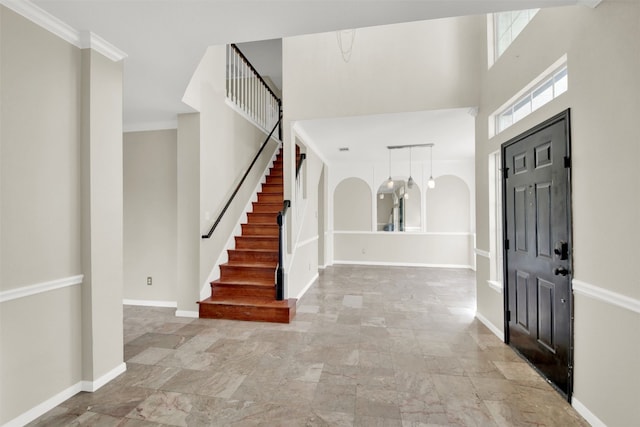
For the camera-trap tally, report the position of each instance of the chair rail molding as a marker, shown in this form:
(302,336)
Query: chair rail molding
(605,295)
(39,288)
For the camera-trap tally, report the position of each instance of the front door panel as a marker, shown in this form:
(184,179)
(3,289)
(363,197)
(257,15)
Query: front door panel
(537,249)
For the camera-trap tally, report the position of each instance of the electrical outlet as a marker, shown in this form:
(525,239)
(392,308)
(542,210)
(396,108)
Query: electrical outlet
(149,281)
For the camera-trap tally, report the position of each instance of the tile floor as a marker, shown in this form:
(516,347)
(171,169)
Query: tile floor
(370,346)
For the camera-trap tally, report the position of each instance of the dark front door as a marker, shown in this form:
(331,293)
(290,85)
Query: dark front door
(537,230)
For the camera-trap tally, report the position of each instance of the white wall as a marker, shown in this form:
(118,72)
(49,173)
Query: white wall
(415,66)
(604,65)
(448,205)
(150,215)
(302,266)
(40,163)
(60,219)
(352,204)
(188,228)
(440,241)
(102,218)
(39,214)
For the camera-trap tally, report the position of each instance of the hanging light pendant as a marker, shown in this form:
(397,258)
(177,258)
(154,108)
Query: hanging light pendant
(432,182)
(410,181)
(390,180)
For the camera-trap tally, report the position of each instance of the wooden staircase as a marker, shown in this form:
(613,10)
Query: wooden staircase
(246,288)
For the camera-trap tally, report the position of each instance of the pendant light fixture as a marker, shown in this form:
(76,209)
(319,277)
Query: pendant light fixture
(390,180)
(432,182)
(410,181)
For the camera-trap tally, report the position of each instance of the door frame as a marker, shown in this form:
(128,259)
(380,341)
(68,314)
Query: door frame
(563,116)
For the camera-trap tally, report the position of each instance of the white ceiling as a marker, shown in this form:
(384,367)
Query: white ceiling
(367,137)
(165,39)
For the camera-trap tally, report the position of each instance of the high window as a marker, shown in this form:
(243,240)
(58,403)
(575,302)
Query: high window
(507,26)
(547,86)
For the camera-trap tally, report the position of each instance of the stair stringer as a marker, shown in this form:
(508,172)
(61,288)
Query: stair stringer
(214,274)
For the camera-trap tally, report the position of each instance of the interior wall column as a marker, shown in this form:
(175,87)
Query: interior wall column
(189,240)
(102,219)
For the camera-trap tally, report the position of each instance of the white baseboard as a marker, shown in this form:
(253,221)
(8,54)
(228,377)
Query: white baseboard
(490,326)
(308,285)
(92,386)
(68,393)
(150,303)
(45,406)
(402,264)
(187,313)
(586,413)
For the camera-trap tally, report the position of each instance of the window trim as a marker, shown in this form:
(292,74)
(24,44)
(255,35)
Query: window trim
(496,260)
(550,73)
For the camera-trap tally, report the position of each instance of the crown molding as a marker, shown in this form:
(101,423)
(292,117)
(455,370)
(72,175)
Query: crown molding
(150,126)
(590,3)
(82,40)
(89,40)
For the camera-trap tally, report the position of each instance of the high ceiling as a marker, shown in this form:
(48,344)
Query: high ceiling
(367,137)
(165,39)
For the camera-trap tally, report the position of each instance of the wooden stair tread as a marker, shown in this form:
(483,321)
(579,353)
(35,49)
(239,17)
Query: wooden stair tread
(252,264)
(250,301)
(243,282)
(258,237)
(257,251)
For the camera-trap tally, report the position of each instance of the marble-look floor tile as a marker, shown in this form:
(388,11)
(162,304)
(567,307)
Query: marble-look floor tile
(406,362)
(339,374)
(468,412)
(369,421)
(147,376)
(152,339)
(529,412)
(423,408)
(370,346)
(335,398)
(214,384)
(517,371)
(474,367)
(377,402)
(173,409)
(258,390)
(151,355)
(112,399)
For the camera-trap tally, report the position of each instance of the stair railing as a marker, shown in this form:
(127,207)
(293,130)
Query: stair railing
(244,177)
(281,233)
(249,91)
(281,242)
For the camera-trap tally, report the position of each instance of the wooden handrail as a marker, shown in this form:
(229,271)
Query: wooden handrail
(233,195)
